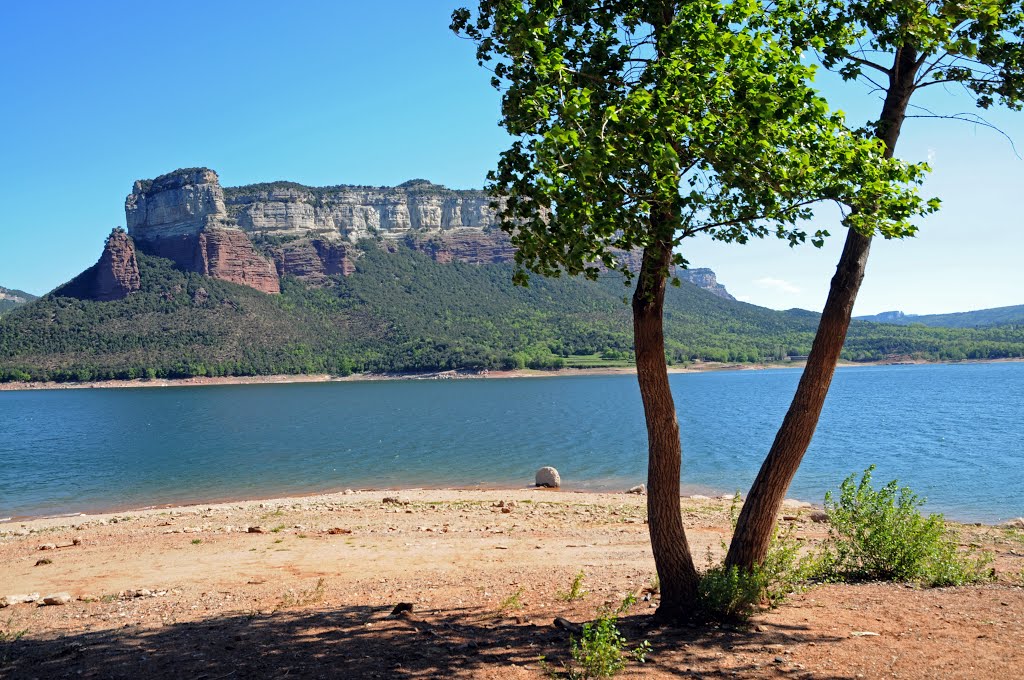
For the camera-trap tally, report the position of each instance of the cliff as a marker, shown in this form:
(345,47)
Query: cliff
(114,277)
(706,279)
(320,224)
(252,235)
(182,216)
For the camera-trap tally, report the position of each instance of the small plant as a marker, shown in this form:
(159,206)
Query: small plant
(601,650)
(513,602)
(881,535)
(303,597)
(734,594)
(576,590)
(196,541)
(8,636)
(278,529)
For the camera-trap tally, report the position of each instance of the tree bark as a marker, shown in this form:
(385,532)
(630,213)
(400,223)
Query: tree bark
(676,571)
(756,523)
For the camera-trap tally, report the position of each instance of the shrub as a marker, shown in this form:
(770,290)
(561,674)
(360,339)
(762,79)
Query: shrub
(734,594)
(601,651)
(881,535)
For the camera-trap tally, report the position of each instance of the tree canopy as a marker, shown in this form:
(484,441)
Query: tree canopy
(698,112)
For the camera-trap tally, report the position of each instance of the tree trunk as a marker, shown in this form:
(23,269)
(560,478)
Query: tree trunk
(676,572)
(756,522)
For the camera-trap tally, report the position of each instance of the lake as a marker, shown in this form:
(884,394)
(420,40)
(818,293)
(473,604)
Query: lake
(952,432)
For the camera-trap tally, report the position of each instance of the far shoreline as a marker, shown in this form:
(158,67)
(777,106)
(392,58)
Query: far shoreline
(457,374)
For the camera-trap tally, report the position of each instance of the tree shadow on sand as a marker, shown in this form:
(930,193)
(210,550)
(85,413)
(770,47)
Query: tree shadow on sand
(368,642)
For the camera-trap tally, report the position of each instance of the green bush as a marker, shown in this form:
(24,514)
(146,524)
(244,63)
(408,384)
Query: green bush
(734,594)
(882,536)
(601,651)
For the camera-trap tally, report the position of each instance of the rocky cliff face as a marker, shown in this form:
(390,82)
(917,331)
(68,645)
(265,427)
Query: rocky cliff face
(182,216)
(114,277)
(311,232)
(704,278)
(319,225)
(351,213)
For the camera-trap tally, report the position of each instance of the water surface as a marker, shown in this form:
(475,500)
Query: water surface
(952,432)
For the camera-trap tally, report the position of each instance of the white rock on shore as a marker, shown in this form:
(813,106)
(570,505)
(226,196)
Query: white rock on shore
(549,477)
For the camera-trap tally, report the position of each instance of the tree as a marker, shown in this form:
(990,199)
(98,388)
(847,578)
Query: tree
(900,47)
(638,125)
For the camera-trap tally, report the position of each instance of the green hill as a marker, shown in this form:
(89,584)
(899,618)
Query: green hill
(404,312)
(11,298)
(977,319)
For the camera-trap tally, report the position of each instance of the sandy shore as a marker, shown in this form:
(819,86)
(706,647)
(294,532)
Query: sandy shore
(702,367)
(303,587)
(370,377)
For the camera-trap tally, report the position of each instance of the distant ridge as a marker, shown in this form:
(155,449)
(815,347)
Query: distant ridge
(996,316)
(11,298)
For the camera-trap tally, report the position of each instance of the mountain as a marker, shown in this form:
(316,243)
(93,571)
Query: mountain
(976,319)
(11,298)
(282,278)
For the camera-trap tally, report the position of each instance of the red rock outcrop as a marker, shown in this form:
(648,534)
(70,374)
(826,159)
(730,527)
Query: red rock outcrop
(466,245)
(181,216)
(114,277)
(228,254)
(313,261)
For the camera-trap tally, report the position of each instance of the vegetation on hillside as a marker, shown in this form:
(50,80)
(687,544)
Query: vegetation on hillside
(403,312)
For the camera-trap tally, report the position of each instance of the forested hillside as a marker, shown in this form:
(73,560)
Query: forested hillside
(404,312)
(996,316)
(11,299)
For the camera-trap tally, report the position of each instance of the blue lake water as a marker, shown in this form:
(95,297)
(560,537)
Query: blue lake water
(952,432)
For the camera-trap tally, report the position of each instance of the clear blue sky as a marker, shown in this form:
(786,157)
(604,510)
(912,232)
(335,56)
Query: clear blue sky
(97,95)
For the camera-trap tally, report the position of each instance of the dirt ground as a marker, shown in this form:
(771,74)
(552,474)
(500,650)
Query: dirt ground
(306,587)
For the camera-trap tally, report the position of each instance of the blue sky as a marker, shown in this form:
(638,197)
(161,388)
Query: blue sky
(96,95)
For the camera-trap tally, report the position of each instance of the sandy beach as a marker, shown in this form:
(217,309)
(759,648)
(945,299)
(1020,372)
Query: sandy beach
(305,587)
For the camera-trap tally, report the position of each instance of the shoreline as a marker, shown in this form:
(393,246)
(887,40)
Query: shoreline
(688,492)
(286,379)
(450,583)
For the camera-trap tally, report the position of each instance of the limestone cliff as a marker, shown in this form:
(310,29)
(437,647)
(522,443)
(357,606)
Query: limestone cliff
(182,216)
(704,278)
(114,277)
(317,226)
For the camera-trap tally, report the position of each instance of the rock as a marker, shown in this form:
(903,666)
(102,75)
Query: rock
(256,530)
(1016,523)
(699,497)
(45,560)
(353,213)
(793,503)
(11,600)
(639,489)
(48,546)
(548,477)
(114,277)
(401,608)
(819,516)
(334,531)
(181,216)
(704,278)
(394,500)
(57,598)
